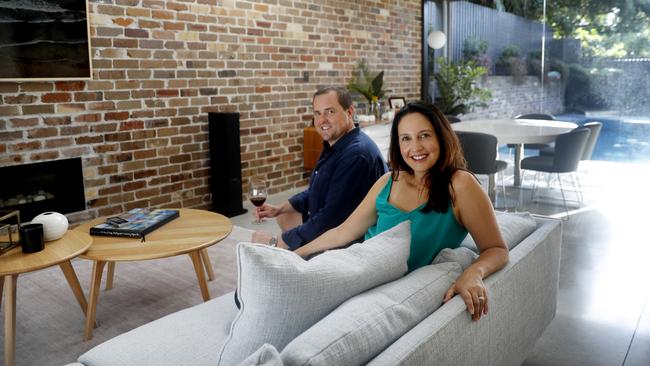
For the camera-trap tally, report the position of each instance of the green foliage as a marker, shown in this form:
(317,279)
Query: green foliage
(507,53)
(457,87)
(551,64)
(610,28)
(606,17)
(475,49)
(530,9)
(367,83)
(510,62)
(579,93)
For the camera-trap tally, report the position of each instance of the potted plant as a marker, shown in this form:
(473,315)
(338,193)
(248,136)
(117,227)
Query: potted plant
(510,62)
(457,87)
(553,68)
(370,85)
(475,49)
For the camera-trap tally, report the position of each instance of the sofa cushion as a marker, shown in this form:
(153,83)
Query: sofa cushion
(514,228)
(192,336)
(282,295)
(267,355)
(461,255)
(364,325)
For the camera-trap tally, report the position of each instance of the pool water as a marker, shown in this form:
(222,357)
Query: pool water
(622,139)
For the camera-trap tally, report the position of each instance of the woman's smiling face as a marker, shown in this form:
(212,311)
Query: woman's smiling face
(418,142)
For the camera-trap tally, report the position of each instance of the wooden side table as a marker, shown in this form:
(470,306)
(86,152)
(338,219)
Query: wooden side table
(15,262)
(191,233)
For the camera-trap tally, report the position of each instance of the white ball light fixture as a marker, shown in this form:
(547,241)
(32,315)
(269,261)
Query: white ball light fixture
(436,40)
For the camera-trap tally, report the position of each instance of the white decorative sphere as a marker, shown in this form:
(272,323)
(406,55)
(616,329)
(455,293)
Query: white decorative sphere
(436,40)
(54,225)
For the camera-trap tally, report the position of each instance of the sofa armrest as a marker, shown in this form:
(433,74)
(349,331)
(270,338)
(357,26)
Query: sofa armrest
(193,336)
(523,298)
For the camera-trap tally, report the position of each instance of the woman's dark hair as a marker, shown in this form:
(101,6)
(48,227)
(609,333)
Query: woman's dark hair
(438,180)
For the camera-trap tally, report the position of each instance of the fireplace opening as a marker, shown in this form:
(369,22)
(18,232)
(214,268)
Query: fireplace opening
(39,187)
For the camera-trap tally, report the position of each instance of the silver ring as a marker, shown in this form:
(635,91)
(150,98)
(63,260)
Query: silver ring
(481,298)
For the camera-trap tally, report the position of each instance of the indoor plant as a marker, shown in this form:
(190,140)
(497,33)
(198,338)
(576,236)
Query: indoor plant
(368,84)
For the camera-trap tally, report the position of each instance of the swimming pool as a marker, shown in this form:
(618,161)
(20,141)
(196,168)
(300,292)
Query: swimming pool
(625,139)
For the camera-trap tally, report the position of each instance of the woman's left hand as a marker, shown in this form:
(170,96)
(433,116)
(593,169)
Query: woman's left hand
(471,288)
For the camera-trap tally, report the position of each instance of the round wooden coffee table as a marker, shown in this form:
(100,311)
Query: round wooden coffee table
(191,233)
(15,262)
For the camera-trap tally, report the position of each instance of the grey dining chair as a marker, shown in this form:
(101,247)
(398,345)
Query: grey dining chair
(542,116)
(595,128)
(452,119)
(569,148)
(480,151)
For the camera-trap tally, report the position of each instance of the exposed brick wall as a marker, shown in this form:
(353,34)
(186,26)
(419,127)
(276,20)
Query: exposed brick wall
(160,66)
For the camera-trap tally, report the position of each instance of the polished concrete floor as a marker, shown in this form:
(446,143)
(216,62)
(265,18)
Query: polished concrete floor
(603,315)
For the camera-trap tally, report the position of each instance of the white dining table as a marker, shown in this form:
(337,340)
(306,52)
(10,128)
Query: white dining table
(517,132)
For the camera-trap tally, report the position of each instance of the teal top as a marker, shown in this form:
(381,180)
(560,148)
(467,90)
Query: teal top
(431,232)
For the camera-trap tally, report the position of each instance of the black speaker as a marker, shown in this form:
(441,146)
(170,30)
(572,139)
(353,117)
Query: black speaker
(225,164)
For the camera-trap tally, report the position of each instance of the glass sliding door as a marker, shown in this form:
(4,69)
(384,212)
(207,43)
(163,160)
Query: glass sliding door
(602,50)
(581,61)
(433,22)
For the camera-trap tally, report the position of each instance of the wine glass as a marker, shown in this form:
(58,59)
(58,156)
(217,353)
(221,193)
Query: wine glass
(257,194)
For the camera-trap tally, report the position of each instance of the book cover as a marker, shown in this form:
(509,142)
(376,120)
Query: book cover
(135,223)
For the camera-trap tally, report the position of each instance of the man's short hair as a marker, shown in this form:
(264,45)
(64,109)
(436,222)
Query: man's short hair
(344,96)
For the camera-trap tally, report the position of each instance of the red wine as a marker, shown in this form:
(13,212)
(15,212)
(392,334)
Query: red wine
(258,201)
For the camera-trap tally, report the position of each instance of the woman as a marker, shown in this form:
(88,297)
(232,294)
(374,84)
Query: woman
(429,186)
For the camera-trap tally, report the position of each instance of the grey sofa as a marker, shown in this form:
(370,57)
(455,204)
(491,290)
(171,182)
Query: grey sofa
(522,303)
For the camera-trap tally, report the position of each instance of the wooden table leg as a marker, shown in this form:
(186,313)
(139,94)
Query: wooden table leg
(73,281)
(110,274)
(95,284)
(10,319)
(200,274)
(207,264)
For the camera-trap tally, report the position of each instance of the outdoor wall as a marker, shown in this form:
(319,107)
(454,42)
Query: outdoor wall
(622,86)
(510,98)
(160,66)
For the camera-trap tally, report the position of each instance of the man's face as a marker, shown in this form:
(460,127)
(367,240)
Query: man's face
(330,119)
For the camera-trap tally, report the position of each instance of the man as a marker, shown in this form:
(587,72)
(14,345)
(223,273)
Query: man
(348,166)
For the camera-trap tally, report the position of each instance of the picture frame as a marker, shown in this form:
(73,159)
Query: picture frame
(45,40)
(396,102)
(9,224)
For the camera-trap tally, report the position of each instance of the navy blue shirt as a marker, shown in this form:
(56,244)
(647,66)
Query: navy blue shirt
(343,175)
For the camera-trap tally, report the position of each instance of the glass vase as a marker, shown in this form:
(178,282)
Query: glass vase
(375,109)
(378,110)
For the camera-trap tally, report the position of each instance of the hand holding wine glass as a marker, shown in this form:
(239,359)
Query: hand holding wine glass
(257,195)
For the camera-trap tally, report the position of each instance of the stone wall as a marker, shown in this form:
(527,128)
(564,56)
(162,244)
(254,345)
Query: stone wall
(510,98)
(159,67)
(622,86)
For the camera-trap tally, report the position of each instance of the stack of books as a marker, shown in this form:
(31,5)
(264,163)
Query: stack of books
(135,223)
